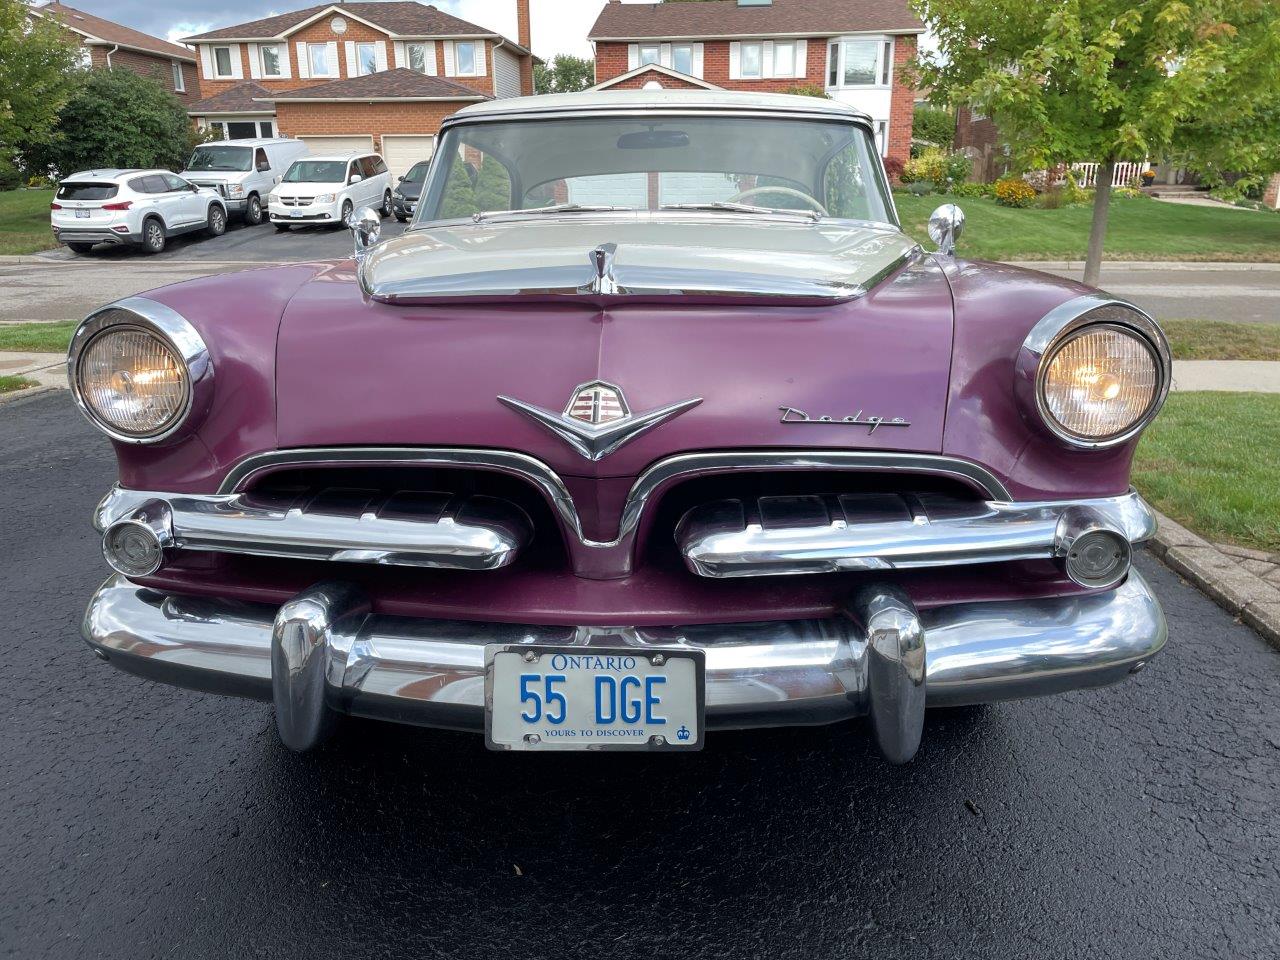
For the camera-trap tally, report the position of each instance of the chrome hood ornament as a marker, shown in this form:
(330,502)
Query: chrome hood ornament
(597,420)
(604,282)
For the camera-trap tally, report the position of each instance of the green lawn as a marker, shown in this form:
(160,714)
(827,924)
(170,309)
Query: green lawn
(1220,340)
(24,221)
(1211,461)
(1138,229)
(10,384)
(37,337)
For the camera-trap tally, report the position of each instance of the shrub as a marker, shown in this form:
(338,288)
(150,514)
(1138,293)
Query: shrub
(808,90)
(10,177)
(1052,199)
(1072,192)
(972,190)
(1014,192)
(930,165)
(920,188)
(893,168)
(934,125)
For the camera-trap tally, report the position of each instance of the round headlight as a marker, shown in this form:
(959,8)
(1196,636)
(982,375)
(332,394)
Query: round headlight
(1099,383)
(133,382)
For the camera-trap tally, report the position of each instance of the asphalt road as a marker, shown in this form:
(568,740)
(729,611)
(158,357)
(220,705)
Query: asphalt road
(139,821)
(1242,296)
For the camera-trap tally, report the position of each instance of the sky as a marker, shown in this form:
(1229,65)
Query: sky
(559,26)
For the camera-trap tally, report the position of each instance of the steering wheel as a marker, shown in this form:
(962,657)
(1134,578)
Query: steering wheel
(784,191)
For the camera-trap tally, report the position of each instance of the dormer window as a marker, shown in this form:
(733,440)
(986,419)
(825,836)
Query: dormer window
(366,59)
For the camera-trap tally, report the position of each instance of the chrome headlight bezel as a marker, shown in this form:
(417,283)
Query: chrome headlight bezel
(1063,324)
(176,333)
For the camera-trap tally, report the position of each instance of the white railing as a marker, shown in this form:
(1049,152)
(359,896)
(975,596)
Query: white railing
(1125,173)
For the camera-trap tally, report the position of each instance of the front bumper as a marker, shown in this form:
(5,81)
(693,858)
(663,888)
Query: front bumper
(403,207)
(324,652)
(312,213)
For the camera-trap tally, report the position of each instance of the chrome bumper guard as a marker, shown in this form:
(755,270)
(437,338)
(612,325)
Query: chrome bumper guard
(407,529)
(323,653)
(779,536)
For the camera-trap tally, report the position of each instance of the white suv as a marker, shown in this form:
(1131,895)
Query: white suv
(139,207)
(327,190)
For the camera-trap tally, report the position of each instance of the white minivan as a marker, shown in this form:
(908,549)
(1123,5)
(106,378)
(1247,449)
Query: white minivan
(326,190)
(243,171)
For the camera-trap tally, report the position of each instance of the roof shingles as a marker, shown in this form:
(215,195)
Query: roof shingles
(111,32)
(405,18)
(726,18)
(242,98)
(398,84)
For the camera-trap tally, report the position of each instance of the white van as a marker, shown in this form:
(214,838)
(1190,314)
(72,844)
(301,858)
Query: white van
(328,189)
(243,171)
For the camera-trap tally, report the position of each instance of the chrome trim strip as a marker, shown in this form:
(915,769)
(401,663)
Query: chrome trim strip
(171,327)
(719,543)
(451,533)
(1059,324)
(761,674)
(598,558)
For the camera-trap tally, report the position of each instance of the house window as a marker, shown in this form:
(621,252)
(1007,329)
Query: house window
(464,59)
(784,59)
(269,53)
(417,56)
(222,61)
(84,58)
(682,59)
(752,61)
(266,128)
(178,85)
(650,53)
(318,55)
(366,59)
(860,63)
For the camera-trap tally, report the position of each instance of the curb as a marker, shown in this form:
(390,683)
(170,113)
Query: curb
(30,393)
(1247,597)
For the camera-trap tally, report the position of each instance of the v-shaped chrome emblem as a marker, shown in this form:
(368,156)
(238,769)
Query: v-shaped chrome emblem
(597,420)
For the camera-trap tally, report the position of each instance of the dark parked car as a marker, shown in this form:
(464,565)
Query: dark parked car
(404,199)
(653,423)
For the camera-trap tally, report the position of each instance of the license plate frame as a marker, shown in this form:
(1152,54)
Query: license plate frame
(295,212)
(83,214)
(669,741)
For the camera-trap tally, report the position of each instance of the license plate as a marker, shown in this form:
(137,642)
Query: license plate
(82,214)
(410,206)
(576,698)
(295,213)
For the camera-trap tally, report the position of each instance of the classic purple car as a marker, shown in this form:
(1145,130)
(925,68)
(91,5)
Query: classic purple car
(654,423)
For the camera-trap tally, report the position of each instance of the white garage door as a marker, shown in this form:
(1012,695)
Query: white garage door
(401,153)
(321,146)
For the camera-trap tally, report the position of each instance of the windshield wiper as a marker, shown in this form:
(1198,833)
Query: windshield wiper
(732,207)
(555,208)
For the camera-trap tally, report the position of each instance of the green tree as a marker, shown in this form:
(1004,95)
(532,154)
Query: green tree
(115,119)
(1105,80)
(459,193)
(37,75)
(564,74)
(493,186)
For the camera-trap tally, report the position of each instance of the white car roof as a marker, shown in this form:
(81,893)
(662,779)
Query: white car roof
(111,174)
(661,99)
(251,142)
(338,156)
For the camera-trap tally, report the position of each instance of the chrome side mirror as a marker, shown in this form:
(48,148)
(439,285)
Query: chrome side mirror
(945,226)
(366,224)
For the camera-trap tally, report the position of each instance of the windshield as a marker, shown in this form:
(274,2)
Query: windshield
(418,172)
(317,171)
(724,165)
(221,157)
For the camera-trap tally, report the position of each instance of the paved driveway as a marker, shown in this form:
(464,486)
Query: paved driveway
(137,820)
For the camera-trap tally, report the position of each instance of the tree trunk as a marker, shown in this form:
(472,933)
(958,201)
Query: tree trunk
(1098,231)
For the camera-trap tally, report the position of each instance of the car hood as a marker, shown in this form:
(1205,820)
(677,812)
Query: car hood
(353,371)
(307,189)
(719,256)
(215,176)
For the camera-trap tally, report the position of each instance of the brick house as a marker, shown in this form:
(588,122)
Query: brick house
(356,76)
(106,45)
(852,49)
